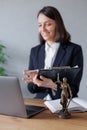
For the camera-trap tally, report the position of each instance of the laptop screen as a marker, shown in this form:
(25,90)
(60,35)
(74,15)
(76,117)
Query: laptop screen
(11,99)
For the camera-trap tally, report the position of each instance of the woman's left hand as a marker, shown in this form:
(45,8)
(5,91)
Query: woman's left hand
(44,82)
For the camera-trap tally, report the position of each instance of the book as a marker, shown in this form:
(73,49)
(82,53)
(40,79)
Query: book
(76,105)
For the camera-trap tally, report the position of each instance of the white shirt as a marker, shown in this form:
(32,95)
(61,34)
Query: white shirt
(50,54)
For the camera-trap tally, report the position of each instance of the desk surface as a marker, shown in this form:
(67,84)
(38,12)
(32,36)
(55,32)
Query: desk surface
(44,121)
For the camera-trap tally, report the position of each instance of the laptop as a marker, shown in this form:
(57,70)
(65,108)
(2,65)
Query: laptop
(11,99)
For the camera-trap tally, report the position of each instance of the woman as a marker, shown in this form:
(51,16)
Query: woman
(54,50)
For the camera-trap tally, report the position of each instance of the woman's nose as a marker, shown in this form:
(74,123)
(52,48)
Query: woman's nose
(43,28)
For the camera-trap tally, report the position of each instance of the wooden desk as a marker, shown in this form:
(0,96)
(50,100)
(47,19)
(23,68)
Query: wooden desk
(44,121)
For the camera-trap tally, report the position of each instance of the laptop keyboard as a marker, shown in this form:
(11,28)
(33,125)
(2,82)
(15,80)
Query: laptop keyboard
(33,110)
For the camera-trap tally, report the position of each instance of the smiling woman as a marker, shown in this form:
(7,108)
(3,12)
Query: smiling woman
(55,49)
(47,28)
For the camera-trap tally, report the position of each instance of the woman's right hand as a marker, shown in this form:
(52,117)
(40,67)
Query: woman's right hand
(29,75)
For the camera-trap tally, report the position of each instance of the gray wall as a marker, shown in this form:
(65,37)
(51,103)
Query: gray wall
(19,32)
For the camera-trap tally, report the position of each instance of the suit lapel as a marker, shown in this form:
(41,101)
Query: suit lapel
(41,57)
(59,57)
(60,54)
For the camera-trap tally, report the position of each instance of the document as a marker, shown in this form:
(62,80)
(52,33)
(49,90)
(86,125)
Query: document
(76,105)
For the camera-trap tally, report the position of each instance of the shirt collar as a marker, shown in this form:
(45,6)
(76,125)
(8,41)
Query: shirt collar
(54,46)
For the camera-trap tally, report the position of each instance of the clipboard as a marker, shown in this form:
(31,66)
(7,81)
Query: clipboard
(65,71)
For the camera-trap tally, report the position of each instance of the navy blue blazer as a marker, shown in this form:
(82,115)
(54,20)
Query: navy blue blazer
(69,54)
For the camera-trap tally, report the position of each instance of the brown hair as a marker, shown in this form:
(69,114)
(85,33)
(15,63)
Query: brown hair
(62,35)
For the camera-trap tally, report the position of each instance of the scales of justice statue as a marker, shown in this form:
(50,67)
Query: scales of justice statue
(66,96)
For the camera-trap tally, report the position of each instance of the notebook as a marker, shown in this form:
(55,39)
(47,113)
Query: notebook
(11,99)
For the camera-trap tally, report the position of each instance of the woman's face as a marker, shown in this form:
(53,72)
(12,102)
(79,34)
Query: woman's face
(47,28)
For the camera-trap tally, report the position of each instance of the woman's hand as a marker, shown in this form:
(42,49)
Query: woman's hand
(29,75)
(44,82)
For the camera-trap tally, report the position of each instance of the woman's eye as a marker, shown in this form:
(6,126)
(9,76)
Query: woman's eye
(48,24)
(39,25)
